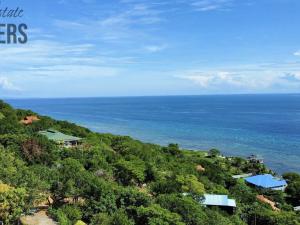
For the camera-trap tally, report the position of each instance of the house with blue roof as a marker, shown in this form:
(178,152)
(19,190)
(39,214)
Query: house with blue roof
(267,181)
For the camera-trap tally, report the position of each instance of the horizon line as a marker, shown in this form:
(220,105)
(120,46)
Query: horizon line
(145,96)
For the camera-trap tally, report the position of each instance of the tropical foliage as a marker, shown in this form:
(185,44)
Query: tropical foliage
(116,180)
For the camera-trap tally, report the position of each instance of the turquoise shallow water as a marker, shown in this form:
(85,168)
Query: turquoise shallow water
(236,124)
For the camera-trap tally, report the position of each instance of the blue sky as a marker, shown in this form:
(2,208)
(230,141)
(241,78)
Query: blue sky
(150,47)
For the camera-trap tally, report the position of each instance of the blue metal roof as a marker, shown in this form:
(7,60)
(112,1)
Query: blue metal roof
(218,200)
(266,181)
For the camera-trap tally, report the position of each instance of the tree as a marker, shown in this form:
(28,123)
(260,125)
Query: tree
(130,172)
(100,196)
(190,184)
(290,177)
(118,218)
(9,122)
(38,150)
(70,180)
(132,197)
(120,144)
(214,152)
(59,216)
(164,186)
(293,188)
(14,171)
(191,211)
(242,192)
(155,215)
(101,219)
(173,149)
(216,218)
(32,151)
(73,213)
(12,203)
(259,214)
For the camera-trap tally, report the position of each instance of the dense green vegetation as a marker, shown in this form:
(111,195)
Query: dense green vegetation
(115,180)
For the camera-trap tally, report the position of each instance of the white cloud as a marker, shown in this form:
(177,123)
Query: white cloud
(297,53)
(43,67)
(48,61)
(253,79)
(133,21)
(51,53)
(218,78)
(71,72)
(155,48)
(7,85)
(198,5)
(123,24)
(293,77)
(209,5)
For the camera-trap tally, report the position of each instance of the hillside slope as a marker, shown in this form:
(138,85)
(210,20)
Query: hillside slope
(110,179)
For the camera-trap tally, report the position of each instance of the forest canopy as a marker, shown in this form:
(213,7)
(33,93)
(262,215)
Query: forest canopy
(109,179)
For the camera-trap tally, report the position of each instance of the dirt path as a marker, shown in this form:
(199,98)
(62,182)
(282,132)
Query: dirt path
(39,218)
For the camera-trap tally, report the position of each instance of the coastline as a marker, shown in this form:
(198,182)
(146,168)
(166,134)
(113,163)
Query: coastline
(194,122)
(60,169)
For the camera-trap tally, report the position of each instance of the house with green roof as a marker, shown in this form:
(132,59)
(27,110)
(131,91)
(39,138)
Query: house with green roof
(60,138)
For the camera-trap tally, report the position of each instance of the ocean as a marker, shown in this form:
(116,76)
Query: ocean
(237,125)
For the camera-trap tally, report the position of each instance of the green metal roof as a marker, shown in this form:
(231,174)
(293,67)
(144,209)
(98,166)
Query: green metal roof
(58,136)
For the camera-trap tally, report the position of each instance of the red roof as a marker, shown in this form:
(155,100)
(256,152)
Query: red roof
(29,120)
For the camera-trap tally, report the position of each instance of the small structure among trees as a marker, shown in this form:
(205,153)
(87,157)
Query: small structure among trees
(256,159)
(29,120)
(200,168)
(267,181)
(219,200)
(60,138)
(239,176)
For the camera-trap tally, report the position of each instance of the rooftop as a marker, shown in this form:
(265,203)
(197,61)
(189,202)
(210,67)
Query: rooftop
(200,168)
(297,208)
(255,157)
(266,181)
(29,120)
(242,175)
(58,136)
(218,200)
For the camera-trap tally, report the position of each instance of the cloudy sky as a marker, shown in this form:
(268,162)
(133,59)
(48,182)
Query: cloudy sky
(153,47)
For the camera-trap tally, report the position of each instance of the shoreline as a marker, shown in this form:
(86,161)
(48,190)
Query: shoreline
(73,169)
(194,122)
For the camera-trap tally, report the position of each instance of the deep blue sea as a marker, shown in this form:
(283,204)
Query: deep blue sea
(238,125)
